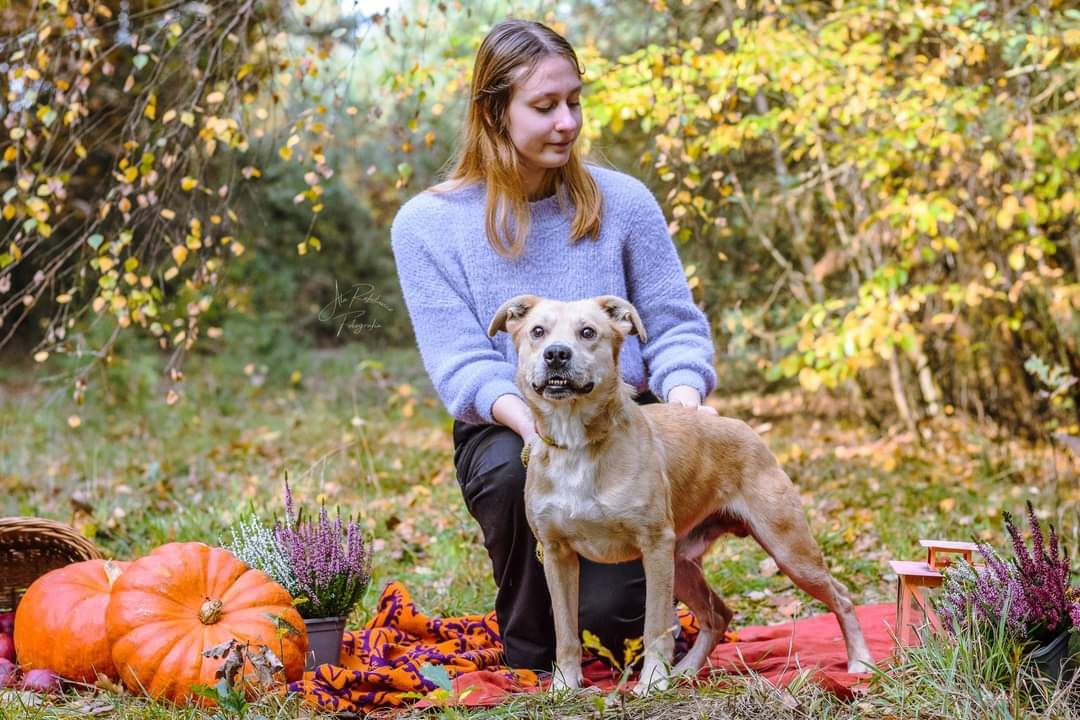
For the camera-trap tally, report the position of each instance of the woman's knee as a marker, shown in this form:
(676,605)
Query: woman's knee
(494,479)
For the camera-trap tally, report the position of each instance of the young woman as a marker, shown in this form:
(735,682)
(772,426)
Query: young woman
(520,212)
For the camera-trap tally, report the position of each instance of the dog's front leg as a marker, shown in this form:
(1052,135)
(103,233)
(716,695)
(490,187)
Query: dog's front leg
(658,557)
(561,568)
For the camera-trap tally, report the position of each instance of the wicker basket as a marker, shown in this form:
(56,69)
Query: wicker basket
(31,547)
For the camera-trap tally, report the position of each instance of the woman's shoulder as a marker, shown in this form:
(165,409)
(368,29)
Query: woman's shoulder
(616,185)
(622,191)
(437,204)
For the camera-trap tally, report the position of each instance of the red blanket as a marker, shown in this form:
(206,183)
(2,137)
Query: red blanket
(383,664)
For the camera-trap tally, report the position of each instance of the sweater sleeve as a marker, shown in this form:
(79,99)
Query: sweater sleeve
(679,350)
(467,371)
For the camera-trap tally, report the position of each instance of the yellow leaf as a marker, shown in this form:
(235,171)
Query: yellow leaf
(187,119)
(171,273)
(188,183)
(169,116)
(168,214)
(215,97)
(74,421)
(80,150)
(296,377)
(131,174)
(809,379)
(179,254)
(63,298)
(592,642)
(15,251)
(171,397)
(1007,213)
(285,153)
(9,212)
(10,154)
(41,356)
(947,505)
(105,264)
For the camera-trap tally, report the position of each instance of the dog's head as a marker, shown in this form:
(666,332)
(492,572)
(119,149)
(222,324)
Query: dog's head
(567,349)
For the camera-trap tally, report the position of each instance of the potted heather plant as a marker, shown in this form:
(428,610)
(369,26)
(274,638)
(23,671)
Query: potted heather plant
(325,564)
(1030,595)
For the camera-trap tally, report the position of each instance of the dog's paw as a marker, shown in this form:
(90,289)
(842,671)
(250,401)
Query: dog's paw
(644,688)
(652,679)
(562,681)
(861,666)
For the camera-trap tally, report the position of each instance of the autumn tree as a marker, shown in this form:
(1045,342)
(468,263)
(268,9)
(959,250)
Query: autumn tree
(129,132)
(902,176)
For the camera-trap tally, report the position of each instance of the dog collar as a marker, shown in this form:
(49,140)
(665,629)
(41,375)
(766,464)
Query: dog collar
(526,449)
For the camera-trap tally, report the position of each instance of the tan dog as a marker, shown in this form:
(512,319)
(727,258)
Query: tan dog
(614,481)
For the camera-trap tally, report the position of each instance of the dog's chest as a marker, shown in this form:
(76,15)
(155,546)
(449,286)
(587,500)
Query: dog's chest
(568,505)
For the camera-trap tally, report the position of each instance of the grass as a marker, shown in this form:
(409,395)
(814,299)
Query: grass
(360,427)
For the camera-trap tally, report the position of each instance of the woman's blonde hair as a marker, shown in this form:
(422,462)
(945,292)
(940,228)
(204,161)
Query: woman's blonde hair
(486,153)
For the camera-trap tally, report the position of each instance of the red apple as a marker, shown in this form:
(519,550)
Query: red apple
(41,681)
(7,647)
(9,673)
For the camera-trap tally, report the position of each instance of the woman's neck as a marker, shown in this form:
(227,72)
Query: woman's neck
(541,188)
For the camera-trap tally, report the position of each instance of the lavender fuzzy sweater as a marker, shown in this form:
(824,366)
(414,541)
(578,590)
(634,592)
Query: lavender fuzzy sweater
(453,282)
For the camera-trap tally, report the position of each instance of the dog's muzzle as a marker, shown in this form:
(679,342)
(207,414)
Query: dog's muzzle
(558,379)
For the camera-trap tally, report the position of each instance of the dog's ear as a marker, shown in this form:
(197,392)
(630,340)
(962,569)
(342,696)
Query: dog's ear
(511,312)
(624,315)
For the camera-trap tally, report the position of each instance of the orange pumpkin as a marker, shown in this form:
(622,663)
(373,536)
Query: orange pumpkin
(60,622)
(183,598)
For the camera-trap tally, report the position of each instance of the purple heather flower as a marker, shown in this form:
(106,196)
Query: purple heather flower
(329,558)
(1030,594)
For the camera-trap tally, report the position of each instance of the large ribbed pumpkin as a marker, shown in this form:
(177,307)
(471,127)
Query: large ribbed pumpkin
(60,622)
(183,598)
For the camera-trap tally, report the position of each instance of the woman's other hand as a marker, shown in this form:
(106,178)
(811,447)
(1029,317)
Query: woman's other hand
(688,396)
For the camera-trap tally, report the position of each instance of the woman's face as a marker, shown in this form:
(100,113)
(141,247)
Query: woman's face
(544,117)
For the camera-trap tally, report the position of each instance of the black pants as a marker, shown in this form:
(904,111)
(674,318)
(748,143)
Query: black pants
(612,596)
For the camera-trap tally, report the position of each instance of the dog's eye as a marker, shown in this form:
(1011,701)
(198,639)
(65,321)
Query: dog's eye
(537,331)
(588,333)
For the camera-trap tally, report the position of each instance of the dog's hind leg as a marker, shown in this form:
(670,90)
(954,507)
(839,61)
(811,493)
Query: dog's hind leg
(710,610)
(774,515)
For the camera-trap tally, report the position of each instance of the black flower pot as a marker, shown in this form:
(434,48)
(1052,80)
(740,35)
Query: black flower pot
(1052,659)
(324,640)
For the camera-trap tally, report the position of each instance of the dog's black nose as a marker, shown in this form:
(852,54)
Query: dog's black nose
(557,356)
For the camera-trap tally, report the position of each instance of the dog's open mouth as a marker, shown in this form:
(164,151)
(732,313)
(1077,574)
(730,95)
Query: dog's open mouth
(557,387)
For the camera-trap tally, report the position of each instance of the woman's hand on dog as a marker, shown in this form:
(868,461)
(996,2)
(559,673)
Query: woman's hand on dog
(688,396)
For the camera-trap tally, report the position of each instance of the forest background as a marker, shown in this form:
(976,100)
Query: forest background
(876,204)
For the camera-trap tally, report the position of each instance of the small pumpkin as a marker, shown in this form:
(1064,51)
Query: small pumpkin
(184,598)
(60,622)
